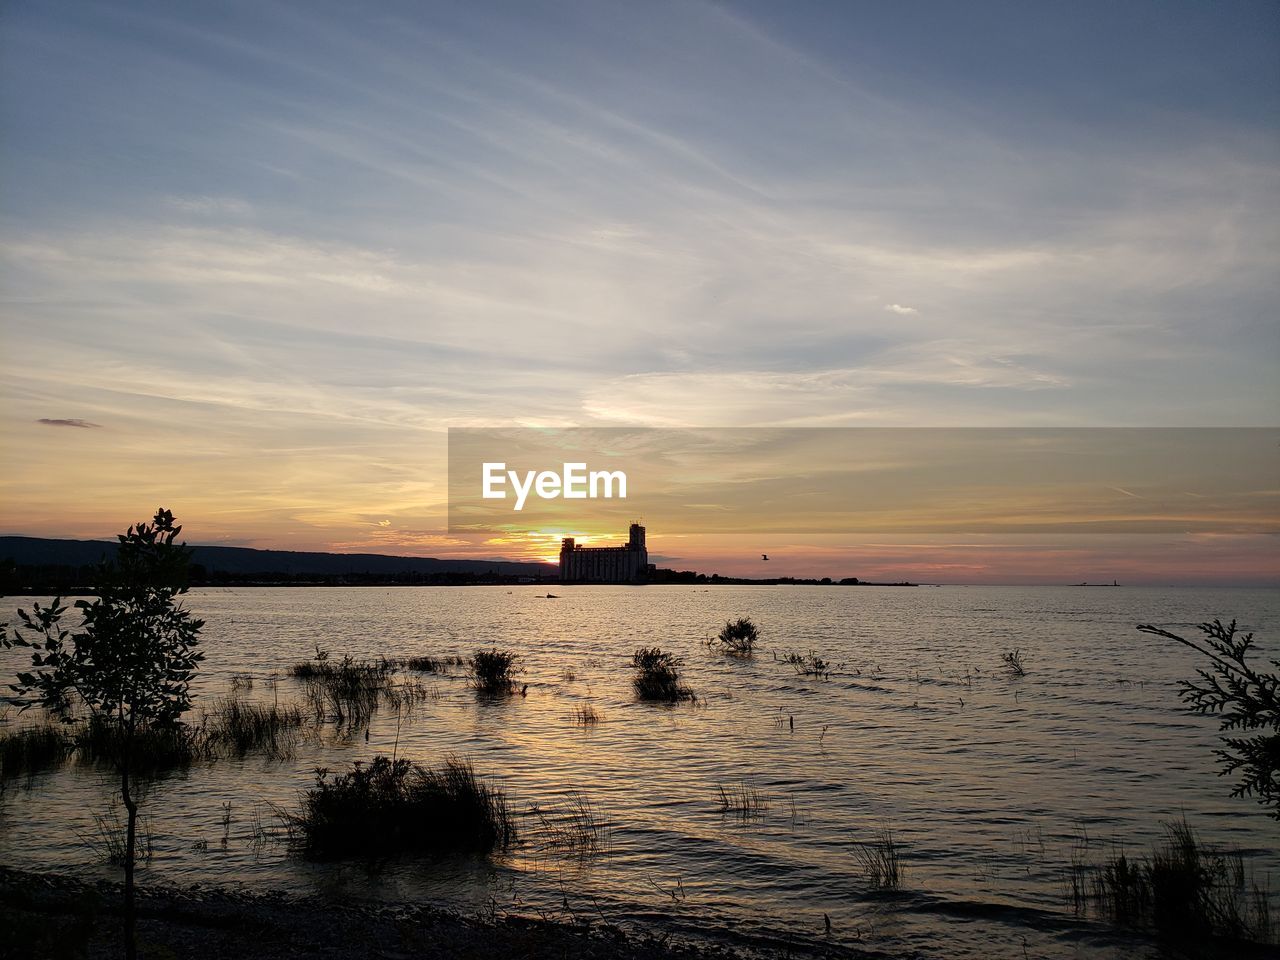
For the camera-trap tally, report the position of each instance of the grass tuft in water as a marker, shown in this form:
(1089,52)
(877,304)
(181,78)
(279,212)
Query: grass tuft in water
(742,801)
(29,750)
(586,716)
(349,691)
(1013,663)
(658,676)
(1183,889)
(241,727)
(156,747)
(570,829)
(810,664)
(395,806)
(108,841)
(881,861)
(241,681)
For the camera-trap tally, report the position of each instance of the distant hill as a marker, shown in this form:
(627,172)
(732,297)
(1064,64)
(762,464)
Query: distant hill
(31,552)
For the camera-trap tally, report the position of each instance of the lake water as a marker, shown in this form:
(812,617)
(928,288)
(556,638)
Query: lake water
(988,781)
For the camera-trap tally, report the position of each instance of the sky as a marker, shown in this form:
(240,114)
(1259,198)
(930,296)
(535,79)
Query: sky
(257,258)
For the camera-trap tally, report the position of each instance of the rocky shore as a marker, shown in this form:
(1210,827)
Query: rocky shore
(54,917)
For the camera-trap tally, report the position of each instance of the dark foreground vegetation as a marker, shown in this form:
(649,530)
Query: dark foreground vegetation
(128,665)
(1182,890)
(396,807)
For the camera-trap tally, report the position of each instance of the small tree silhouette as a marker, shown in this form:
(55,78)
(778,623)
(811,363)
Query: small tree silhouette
(130,665)
(1244,699)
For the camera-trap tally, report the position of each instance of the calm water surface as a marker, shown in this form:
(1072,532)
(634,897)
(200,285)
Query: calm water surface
(988,781)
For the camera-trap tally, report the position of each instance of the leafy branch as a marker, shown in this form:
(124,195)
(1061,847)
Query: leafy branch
(1243,699)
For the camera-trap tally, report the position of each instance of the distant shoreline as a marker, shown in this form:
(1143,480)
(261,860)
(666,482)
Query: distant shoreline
(49,590)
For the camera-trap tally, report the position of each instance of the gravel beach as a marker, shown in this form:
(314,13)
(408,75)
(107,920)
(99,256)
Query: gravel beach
(54,917)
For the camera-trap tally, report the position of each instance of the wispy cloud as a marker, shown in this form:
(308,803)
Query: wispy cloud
(68,422)
(695,217)
(210,206)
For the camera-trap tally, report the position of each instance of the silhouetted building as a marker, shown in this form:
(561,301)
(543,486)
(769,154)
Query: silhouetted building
(628,563)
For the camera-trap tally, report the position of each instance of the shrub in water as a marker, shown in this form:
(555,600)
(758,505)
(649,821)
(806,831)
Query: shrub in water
(1013,663)
(810,664)
(657,677)
(737,638)
(492,671)
(392,806)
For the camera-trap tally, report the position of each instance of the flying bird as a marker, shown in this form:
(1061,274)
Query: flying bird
(764,556)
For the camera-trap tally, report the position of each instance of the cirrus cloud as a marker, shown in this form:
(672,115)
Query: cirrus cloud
(69,422)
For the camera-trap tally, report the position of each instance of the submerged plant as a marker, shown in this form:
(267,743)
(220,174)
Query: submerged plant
(1244,699)
(586,715)
(241,681)
(810,664)
(1013,663)
(395,806)
(657,676)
